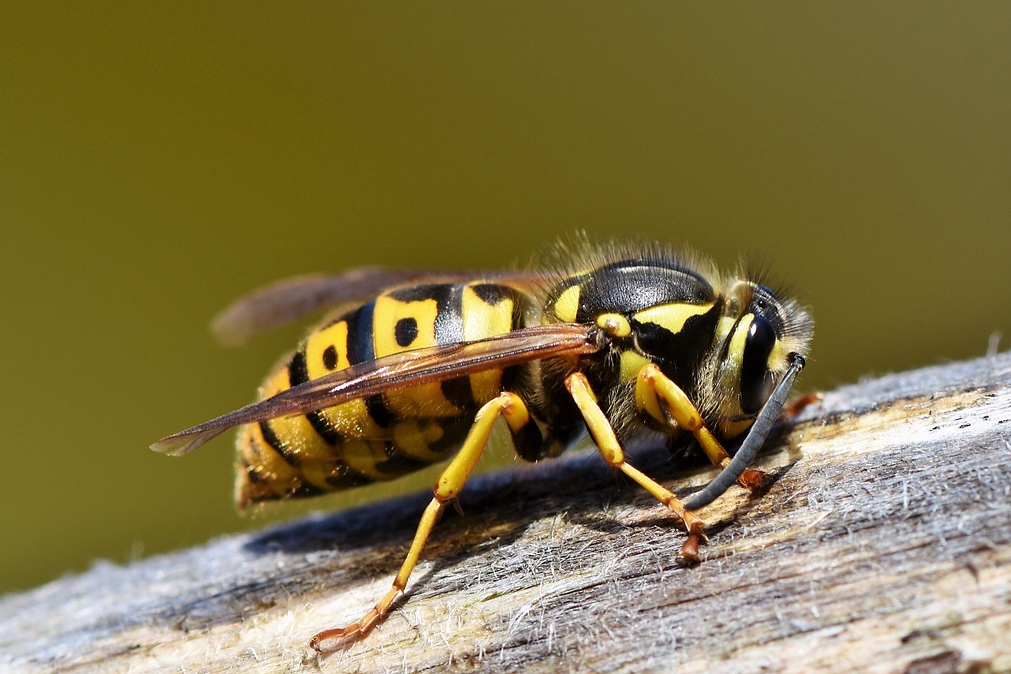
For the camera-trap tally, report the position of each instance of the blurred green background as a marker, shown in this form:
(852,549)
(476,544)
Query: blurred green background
(160,160)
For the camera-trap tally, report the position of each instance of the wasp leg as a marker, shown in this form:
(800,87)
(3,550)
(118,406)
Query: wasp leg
(653,387)
(609,446)
(507,405)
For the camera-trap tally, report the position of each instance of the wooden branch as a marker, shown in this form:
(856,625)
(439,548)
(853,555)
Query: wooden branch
(883,546)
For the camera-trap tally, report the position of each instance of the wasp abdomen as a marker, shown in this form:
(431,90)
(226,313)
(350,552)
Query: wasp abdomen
(383,436)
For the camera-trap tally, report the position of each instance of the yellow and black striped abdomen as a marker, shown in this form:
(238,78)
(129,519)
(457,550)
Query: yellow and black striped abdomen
(386,435)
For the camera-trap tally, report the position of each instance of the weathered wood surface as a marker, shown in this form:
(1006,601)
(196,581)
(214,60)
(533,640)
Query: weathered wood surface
(883,546)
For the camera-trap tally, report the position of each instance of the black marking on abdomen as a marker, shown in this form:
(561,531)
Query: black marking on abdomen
(323,428)
(306,489)
(274,442)
(453,433)
(361,348)
(382,415)
(459,392)
(406,331)
(449,319)
(330,357)
(448,308)
(345,477)
(298,373)
(492,293)
(254,477)
(448,329)
(398,463)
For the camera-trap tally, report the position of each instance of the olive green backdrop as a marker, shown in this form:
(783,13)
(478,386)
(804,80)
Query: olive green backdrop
(158,161)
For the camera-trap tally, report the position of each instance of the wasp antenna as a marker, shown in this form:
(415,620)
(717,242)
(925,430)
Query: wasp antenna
(753,442)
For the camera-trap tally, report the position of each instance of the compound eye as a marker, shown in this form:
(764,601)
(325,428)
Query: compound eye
(757,381)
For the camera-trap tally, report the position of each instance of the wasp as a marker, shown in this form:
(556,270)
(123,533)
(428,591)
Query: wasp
(414,367)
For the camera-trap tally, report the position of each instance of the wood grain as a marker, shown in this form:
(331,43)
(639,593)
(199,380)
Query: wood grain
(884,545)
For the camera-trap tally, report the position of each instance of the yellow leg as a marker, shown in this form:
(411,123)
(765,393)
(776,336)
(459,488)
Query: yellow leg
(447,488)
(606,440)
(653,387)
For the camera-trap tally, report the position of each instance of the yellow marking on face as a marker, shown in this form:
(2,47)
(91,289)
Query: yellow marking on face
(631,363)
(567,305)
(671,317)
(735,352)
(724,327)
(777,357)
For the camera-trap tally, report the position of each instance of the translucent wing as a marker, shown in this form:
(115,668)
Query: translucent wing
(402,370)
(293,298)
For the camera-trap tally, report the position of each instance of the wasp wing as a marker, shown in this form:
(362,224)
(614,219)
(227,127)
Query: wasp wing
(402,370)
(293,298)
